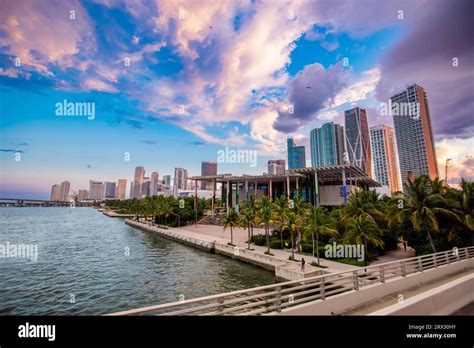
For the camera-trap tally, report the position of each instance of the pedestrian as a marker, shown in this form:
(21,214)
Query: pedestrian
(405,245)
(302,264)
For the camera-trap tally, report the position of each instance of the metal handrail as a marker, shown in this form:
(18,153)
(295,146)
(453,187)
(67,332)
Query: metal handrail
(275,297)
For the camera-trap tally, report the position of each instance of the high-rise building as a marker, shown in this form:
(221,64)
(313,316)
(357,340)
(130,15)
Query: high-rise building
(208,168)
(327,145)
(131,189)
(385,158)
(121,188)
(109,190)
(64,191)
(154,185)
(96,190)
(358,139)
(180,179)
(138,181)
(415,143)
(82,195)
(55,192)
(276,167)
(296,155)
(166,182)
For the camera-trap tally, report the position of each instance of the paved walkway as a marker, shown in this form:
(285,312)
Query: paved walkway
(395,255)
(240,236)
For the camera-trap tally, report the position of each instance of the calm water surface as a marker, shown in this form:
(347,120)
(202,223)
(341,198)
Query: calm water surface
(82,255)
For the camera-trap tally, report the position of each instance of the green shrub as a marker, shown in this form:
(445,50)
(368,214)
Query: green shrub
(259,239)
(275,243)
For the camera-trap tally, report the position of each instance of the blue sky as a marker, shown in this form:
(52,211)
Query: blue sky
(172,84)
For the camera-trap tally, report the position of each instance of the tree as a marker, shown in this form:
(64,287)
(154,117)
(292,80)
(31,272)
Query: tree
(266,217)
(421,208)
(293,225)
(319,223)
(282,208)
(246,220)
(362,230)
(231,219)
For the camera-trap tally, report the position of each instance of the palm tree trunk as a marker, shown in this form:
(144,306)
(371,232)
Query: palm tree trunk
(231,236)
(317,246)
(366,252)
(268,238)
(248,230)
(292,247)
(312,237)
(431,242)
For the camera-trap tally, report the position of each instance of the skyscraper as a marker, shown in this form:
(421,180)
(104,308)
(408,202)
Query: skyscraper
(208,168)
(64,191)
(180,179)
(166,182)
(109,190)
(296,155)
(358,139)
(276,167)
(131,189)
(55,192)
(121,188)
(154,183)
(82,195)
(138,181)
(415,144)
(327,145)
(96,190)
(384,156)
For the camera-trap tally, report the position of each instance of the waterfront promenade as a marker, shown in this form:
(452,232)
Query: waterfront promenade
(212,238)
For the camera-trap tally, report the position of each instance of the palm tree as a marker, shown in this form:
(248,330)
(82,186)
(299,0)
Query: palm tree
(293,225)
(364,203)
(266,217)
(421,208)
(231,219)
(251,204)
(319,223)
(246,220)
(362,230)
(282,208)
(298,208)
(463,201)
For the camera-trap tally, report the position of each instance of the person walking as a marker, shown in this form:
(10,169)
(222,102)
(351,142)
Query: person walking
(405,245)
(302,264)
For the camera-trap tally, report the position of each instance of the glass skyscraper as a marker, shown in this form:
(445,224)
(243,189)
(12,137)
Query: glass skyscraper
(358,139)
(327,145)
(412,121)
(296,155)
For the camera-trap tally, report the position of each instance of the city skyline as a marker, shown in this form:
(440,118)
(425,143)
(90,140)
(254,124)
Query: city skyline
(210,62)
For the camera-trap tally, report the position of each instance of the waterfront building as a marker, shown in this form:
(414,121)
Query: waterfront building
(146,187)
(414,134)
(121,188)
(55,192)
(296,155)
(327,145)
(276,166)
(358,139)
(154,183)
(138,181)
(96,190)
(109,190)
(64,191)
(82,195)
(385,158)
(207,168)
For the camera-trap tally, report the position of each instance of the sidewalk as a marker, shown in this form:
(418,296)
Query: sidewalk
(240,236)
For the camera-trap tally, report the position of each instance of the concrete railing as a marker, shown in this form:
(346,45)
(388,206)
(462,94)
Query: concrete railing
(276,297)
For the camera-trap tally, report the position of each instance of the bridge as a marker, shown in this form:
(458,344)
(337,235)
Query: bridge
(343,292)
(27,202)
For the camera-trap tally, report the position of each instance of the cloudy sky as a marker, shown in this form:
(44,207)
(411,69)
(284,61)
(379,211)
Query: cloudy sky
(173,82)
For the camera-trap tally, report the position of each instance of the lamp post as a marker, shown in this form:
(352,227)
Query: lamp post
(446,171)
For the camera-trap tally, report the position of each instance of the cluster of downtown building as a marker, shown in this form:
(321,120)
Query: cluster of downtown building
(374,149)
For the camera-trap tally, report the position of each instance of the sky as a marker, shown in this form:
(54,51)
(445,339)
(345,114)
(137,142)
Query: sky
(174,82)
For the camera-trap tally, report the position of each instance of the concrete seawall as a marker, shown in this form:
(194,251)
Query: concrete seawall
(284,269)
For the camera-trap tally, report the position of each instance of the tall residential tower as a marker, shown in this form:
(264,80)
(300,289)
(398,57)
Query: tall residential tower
(296,155)
(327,145)
(415,144)
(357,139)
